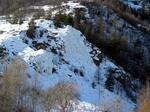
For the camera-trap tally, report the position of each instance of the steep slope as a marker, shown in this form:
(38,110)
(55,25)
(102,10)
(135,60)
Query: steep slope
(134,56)
(63,54)
(68,57)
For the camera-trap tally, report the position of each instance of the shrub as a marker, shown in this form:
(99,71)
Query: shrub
(110,82)
(3,52)
(40,45)
(88,31)
(16,96)
(1,32)
(61,19)
(60,96)
(58,20)
(48,15)
(77,20)
(39,13)
(31,30)
(11,86)
(16,18)
(69,20)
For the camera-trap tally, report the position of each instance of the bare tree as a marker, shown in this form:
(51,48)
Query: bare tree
(60,97)
(12,83)
(35,93)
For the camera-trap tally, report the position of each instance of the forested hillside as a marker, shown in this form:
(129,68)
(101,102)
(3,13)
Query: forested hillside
(74,56)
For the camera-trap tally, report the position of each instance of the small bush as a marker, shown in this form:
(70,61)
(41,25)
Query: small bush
(1,32)
(40,45)
(61,19)
(13,20)
(110,82)
(39,13)
(3,52)
(31,31)
(88,31)
(11,86)
(77,20)
(17,18)
(48,15)
(60,96)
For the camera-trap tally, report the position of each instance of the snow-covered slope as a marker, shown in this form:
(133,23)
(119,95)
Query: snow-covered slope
(138,4)
(68,57)
(63,54)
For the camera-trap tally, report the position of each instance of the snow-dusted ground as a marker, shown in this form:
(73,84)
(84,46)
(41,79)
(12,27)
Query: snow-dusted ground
(68,57)
(77,55)
(134,4)
(70,7)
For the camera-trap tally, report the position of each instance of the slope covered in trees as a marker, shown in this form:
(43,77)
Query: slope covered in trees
(9,6)
(56,59)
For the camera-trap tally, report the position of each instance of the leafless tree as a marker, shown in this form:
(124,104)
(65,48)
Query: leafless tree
(60,97)
(12,83)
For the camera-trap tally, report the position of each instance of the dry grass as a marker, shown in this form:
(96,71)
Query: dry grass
(144,99)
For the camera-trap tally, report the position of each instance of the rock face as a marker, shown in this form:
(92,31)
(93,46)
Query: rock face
(137,53)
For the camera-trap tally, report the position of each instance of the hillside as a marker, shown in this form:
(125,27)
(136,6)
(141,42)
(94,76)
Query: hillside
(56,51)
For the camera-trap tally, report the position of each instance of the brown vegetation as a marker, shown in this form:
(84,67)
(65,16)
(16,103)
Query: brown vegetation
(31,30)
(144,99)
(60,97)
(130,15)
(11,86)
(17,96)
(9,6)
